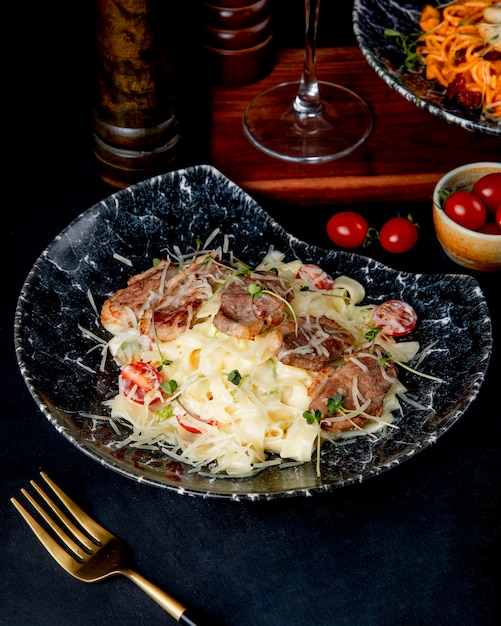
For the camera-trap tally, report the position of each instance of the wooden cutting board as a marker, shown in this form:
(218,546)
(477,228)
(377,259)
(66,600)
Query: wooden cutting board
(407,152)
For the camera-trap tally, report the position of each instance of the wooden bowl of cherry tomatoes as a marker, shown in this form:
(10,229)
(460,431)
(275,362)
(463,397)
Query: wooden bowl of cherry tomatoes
(467,215)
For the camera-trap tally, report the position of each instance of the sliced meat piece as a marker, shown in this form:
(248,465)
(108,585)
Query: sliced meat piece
(360,378)
(164,299)
(313,344)
(244,316)
(136,297)
(172,321)
(185,293)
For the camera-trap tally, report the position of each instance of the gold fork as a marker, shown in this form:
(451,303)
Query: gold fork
(91,553)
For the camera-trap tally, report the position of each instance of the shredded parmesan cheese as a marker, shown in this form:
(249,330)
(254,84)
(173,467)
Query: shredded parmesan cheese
(122,259)
(222,427)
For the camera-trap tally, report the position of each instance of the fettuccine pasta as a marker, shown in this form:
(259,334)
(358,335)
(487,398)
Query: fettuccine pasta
(230,401)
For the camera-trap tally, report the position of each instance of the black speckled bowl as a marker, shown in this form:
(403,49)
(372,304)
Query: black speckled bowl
(370,19)
(176,209)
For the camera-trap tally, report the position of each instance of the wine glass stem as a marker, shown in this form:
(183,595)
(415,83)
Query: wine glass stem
(307,101)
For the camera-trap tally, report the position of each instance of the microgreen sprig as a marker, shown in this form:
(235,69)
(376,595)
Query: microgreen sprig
(372,333)
(408,45)
(313,416)
(169,387)
(334,405)
(164,362)
(256,291)
(387,359)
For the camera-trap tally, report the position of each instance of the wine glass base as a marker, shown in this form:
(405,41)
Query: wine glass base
(273,126)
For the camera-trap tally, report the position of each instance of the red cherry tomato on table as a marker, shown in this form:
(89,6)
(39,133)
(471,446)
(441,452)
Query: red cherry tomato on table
(398,235)
(139,379)
(347,229)
(315,277)
(395,317)
(466,209)
(488,189)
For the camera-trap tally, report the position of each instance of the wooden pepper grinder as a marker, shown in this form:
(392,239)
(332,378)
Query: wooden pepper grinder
(135,126)
(237,38)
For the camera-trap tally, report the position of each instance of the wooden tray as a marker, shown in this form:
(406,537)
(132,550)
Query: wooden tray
(407,152)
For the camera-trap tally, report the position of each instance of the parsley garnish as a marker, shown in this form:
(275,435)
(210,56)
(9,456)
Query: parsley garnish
(235,377)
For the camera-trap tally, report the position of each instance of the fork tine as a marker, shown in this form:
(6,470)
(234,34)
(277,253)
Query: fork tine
(68,541)
(55,550)
(76,532)
(84,565)
(96,531)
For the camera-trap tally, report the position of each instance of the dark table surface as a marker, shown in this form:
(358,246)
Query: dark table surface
(417,545)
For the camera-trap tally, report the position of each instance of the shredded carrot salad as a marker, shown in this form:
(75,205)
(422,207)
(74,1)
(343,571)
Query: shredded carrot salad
(461,49)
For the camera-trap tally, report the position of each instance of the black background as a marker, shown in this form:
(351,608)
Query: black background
(418,545)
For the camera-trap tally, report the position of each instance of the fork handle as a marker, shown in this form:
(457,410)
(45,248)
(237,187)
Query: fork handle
(186,620)
(174,608)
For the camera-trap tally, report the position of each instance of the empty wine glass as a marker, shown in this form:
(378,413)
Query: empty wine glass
(308,120)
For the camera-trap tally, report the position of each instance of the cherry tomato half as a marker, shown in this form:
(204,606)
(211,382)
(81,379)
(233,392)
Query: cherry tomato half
(315,277)
(194,425)
(466,209)
(395,317)
(347,229)
(189,428)
(398,235)
(488,189)
(138,380)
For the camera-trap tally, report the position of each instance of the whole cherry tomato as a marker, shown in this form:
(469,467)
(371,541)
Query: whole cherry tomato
(395,317)
(139,381)
(347,229)
(490,228)
(488,189)
(466,209)
(498,216)
(398,235)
